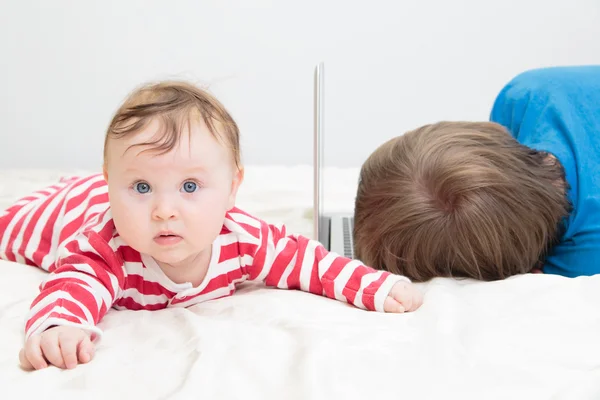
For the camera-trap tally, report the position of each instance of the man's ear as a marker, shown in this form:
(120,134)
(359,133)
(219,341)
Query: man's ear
(238,178)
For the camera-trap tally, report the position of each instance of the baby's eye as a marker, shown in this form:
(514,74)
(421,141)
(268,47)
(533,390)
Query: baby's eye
(141,187)
(190,187)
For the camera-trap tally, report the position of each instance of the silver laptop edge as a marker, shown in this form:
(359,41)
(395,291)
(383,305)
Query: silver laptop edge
(318,151)
(334,231)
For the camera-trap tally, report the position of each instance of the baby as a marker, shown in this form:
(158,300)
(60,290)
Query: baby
(159,228)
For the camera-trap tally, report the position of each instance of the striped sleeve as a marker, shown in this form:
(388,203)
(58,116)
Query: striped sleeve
(84,286)
(296,262)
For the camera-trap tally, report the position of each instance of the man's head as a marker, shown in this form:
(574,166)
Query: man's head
(458,199)
(172,163)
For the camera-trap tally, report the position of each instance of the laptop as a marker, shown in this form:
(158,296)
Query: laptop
(333,230)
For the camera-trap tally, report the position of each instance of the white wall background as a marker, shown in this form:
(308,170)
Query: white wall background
(390,66)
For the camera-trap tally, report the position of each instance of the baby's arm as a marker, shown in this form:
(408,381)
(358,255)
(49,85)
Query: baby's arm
(296,262)
(63,317)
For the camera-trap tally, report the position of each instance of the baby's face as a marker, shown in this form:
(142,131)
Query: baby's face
(171,206)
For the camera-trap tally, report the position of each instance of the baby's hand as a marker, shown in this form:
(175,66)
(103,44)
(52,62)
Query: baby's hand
(403,297)
(62,346)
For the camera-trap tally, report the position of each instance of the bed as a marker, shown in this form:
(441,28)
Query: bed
(529,337)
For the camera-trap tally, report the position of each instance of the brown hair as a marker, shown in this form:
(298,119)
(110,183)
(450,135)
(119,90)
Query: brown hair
(458,199)
(173,103)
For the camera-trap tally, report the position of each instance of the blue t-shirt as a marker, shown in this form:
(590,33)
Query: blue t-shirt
(558,110)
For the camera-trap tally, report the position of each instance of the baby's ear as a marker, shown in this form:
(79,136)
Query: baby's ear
(238,178)
(105,172)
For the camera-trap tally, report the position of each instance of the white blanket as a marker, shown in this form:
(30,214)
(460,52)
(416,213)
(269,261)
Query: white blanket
(528,337)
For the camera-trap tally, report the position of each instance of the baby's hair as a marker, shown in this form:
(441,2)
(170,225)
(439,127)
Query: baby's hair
(458,199)
(173,104)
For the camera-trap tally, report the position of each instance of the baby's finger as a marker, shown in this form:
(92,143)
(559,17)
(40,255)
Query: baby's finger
(86,350)
(23,361)
(68,349)
(51,349)
(32,355)
(417,299)
(406,299)
(391,305)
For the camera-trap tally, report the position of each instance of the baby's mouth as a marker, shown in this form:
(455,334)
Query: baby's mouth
(166,238)
(166,234)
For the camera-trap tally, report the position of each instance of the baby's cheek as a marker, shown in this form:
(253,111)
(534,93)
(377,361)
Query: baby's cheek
(132,233)
(210,224)
(129,222)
